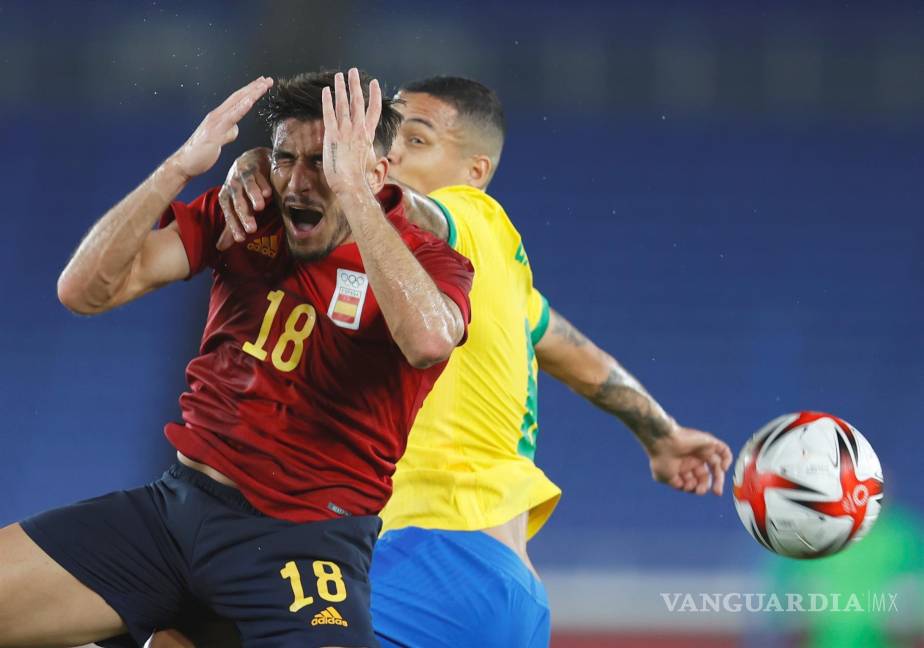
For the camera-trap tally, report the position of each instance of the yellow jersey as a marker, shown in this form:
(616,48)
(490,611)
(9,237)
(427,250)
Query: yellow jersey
(469,459)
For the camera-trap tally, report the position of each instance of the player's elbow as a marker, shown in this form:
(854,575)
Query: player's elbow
(70,295)
(74,298)
(432,340)
(426,351)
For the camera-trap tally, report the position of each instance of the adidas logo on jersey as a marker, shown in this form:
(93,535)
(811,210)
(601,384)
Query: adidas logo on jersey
(265,245)
(330,616)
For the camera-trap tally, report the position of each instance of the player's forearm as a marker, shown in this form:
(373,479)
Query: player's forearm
(623,396)
(423,325)
(569,356)
(104,259)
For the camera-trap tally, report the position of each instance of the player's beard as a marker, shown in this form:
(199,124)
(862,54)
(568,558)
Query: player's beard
(340,234)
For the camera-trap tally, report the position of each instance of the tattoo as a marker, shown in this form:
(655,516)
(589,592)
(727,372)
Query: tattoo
(563,329)
(333,157)
(624,397)
(620,394)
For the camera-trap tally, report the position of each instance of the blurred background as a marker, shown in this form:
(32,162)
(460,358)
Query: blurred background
(726,196)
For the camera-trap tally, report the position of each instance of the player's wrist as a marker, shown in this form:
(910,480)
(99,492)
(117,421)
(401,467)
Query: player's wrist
(358,200)
(170,178)
(659,433)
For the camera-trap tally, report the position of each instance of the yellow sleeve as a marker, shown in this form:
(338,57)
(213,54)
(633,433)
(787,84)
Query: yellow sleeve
(537,310)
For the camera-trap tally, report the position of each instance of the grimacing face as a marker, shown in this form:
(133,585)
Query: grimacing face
(430,149)
(314,221)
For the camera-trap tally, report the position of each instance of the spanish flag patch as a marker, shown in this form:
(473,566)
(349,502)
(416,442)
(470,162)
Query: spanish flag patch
(346,306)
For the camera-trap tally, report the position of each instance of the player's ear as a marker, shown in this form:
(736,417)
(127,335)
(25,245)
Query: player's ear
(479,171)
(377,175)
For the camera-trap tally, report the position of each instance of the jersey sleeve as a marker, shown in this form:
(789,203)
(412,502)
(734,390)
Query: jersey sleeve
(201,223)
(451,272)
(459,201)
(537,311)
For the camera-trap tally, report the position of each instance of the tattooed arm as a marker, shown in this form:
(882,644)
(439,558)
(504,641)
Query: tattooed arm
(567,355)
(684,458)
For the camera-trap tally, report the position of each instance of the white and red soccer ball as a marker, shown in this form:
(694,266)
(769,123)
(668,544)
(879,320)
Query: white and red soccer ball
(807,484)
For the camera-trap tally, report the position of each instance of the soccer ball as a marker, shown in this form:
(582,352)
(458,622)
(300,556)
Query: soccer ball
(807,485)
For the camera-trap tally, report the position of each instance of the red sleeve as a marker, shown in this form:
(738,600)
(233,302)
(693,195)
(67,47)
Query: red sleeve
(201,223)
(451,272)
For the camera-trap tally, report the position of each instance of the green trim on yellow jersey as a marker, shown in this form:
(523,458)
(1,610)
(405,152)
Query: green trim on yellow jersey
(542,324)
(453,232)
(529,427)
(469,459)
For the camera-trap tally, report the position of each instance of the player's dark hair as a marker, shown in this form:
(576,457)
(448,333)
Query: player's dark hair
(472,100)
(299,97)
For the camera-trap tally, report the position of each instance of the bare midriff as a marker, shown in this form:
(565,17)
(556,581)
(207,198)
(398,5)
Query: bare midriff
(513,534)
(205,470)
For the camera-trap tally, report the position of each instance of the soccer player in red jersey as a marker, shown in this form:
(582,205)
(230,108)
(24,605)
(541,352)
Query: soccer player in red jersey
(452,134)
(326,329)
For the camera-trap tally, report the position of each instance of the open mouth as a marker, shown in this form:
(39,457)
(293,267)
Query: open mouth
(305,220)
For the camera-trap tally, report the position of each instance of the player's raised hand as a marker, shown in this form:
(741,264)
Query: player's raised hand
(201,150)
(349,131)
(244,194)
(691,461)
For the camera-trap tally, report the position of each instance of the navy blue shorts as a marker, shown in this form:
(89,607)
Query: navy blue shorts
(186,542)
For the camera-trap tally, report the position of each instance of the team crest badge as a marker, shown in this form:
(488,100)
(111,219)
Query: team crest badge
(346,306)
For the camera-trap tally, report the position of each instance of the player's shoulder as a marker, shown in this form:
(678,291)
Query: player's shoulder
(207,203)
(467,200)
(472,210)
(477,220)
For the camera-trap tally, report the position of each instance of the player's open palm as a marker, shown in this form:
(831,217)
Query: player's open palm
(691,461)
(201,150)
(349,131)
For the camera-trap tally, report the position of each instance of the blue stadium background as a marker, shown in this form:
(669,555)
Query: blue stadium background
(727,199)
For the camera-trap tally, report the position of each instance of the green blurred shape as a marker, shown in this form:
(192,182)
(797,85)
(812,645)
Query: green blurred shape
(890,560)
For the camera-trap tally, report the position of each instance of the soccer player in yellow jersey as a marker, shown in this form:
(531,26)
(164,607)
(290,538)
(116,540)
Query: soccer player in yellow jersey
(451,568)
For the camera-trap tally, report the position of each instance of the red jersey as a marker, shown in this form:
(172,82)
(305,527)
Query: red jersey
(299,393)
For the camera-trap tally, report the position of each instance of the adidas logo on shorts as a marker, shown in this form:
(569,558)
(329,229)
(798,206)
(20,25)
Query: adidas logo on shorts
(330,616)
